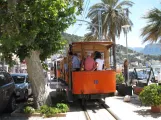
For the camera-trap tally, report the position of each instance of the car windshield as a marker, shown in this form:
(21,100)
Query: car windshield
(19,79)
(131,75)
(142,75)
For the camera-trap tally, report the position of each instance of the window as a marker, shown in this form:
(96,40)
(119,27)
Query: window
(18,79)
(2,79)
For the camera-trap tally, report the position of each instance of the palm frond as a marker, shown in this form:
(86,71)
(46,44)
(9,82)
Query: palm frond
(125,3)
(94,10)
(111,3)
(152,31)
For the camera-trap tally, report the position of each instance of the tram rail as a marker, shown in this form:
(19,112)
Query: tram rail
(98,111)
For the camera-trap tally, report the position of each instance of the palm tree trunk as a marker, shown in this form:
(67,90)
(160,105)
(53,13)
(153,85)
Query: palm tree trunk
(37,79)
(114,51)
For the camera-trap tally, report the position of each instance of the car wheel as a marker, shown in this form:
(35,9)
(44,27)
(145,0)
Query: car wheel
(26,95)
(12,104)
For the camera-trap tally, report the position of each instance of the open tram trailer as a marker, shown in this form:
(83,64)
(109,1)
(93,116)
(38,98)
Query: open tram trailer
(91,84)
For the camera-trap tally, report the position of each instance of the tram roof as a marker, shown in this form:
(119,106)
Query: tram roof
(105,43)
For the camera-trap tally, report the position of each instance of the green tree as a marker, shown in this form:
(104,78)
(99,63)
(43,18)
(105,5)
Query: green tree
(113,18)
(32,29)
(152,31)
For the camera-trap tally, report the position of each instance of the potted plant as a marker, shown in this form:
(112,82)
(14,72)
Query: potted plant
(121,87)
(119,78)
(151,96)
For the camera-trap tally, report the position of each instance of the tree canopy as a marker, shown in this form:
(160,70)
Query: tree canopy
(152,31)
(27,25)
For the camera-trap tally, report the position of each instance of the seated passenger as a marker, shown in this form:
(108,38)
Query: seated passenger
(99,62)
(75,62)
(89,63)
(96,55)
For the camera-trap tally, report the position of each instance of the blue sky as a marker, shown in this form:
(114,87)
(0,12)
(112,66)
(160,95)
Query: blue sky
(139,8)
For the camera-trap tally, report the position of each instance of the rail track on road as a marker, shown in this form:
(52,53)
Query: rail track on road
(98,110)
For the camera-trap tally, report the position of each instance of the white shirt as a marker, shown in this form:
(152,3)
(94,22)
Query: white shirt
(100,63)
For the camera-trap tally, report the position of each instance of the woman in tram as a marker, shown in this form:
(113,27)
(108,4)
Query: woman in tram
(99,61)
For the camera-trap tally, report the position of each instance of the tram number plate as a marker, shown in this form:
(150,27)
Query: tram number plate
(95,81)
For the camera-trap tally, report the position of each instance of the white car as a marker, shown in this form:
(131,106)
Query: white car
(22,85)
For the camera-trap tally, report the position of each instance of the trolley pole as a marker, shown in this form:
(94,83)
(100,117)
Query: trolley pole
(99,25)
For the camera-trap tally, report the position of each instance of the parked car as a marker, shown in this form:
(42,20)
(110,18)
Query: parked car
(136,75)
(23,87)
(7,92)
(141,75)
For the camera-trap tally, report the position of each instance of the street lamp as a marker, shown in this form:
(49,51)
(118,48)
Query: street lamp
(125,27)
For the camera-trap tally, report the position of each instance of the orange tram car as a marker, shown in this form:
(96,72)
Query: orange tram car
(91,84)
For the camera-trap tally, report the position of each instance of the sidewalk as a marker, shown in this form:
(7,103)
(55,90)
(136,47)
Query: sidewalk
(124,110)
(131,110)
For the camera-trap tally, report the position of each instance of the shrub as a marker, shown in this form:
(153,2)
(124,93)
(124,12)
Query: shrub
(51,111)
(44,109)
(119,78)
(151,95)
(29,110)
(63,107)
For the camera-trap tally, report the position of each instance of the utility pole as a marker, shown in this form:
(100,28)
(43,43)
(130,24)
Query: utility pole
(99,25)
(126,27)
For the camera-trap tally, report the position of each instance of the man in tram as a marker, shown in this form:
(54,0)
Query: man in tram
(75,62)
(89,63)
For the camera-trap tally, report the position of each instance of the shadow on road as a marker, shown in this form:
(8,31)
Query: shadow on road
(147,112)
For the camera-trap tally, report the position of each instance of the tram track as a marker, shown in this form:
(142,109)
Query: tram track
(98,111)
(86,114)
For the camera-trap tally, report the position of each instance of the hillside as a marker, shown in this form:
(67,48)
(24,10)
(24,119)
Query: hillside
(137,49)
(71,38)
(133,55)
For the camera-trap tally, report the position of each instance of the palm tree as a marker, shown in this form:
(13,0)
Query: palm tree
(152,31)
(113,18)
